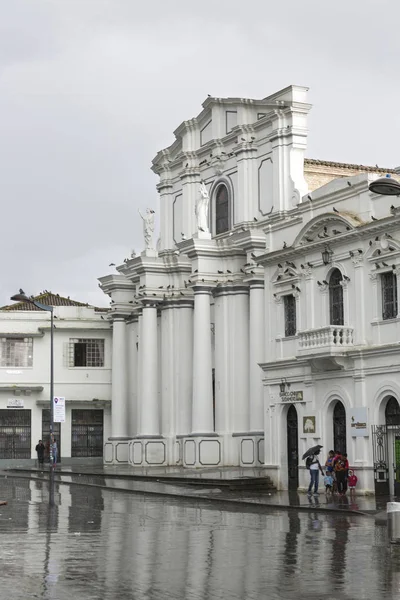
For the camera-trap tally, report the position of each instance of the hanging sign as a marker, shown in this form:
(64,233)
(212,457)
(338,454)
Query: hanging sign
(59,409)
(358,422)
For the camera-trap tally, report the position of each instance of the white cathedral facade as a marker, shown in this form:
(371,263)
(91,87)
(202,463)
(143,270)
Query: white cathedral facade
(266,320)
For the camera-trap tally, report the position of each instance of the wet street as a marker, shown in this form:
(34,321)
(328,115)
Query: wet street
(103,544)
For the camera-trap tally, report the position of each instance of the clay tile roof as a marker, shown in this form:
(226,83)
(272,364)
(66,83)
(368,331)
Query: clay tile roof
(49,299)
(327,163)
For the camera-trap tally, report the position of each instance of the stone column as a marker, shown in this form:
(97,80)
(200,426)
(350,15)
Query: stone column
(239,323)
(202,403)
(148,398)
(132,368)
(168,369)
(119,380)
(183,334)
(256,355)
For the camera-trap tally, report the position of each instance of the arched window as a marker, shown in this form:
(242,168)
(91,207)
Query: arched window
(392,412)
(339,427)
(336,298)
(222,216)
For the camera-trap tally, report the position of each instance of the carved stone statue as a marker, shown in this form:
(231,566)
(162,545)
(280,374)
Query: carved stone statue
(148,228)
(202,205)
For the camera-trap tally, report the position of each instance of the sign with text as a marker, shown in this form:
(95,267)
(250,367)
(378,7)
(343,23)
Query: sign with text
(15,403)
(358,421)
(291,396)
(59,409)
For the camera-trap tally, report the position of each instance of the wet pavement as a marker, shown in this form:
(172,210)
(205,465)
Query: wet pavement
(223,486)
(106,544)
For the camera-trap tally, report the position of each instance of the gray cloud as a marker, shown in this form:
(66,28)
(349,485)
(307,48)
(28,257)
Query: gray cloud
(90,90)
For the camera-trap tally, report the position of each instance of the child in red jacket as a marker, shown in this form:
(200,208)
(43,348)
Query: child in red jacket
(352,481)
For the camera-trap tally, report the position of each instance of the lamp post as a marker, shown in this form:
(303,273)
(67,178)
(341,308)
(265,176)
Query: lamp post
(22,297)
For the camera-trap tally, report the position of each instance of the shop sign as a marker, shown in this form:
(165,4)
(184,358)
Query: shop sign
(358,422)
(291,396)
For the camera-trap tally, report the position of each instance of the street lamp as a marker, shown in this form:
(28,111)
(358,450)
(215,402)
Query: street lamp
(385,186)
(327,256)
(22,297)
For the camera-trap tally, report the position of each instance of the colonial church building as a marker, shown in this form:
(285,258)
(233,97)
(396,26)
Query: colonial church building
(265,319)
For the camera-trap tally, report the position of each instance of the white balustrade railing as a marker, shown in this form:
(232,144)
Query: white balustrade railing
(335,336)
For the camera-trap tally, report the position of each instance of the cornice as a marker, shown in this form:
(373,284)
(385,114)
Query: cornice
(112,283)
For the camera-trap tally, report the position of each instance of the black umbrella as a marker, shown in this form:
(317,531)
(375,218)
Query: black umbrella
(312,451)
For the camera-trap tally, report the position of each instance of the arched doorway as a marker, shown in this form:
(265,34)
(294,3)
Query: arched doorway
(292,448)
(339,428)
(392,418)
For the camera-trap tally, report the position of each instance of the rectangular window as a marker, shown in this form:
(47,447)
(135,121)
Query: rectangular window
(86,352)
(389,295)
(16,352)
(289,303)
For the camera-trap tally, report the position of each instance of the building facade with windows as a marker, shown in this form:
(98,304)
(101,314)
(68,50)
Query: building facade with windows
(274,327)
(82,374)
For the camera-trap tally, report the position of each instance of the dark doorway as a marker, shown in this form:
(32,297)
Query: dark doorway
(46,434)
(292,448)
(392,417)
(336,298)
(339,427)
(15,433)
(87,433)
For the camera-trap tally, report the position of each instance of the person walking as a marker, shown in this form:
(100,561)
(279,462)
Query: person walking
(315,468)
(40,448)
(55,451)
(341,473)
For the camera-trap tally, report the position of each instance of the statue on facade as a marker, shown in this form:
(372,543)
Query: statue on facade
(148,228)
(201,210)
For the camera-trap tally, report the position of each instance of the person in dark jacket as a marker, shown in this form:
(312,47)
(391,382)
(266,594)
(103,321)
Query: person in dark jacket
(40,448)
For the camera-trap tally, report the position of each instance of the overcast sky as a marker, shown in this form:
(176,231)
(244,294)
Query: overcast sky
(90,90)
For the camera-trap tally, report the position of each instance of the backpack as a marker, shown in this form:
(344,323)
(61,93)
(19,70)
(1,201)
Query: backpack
(309,460)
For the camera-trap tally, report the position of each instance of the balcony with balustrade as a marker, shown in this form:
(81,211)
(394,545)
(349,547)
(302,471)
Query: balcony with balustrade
(332,340)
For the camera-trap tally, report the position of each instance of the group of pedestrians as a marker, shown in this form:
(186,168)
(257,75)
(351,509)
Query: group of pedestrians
(44,451)
(338,477)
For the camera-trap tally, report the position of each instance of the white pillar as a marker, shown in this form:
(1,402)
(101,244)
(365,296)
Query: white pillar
(239,328)
(132,375)
(256,355)
(202,406)
(119,393)
(183,333)
(222,355)
(168,370)
(149,409)
(358,307)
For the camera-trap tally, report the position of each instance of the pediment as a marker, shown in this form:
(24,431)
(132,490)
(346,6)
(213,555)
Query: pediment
(324,228)
(382,247)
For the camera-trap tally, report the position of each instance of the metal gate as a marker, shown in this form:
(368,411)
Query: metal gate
(381,459)
(46,434)
(15,433)
(87,433)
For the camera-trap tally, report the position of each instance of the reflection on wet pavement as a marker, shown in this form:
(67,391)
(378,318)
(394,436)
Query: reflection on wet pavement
(103,544)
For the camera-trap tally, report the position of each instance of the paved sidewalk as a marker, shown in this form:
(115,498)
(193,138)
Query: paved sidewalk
(235,486)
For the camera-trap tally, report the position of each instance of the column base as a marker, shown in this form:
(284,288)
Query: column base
(150,451)
(201,450)
(250,447)
(116,451)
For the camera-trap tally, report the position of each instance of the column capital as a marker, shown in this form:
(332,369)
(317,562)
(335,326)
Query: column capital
(230,290)
(202,289)
(256,283)
(177,303)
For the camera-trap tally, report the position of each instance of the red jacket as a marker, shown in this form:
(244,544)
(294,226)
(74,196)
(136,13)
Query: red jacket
(352,480)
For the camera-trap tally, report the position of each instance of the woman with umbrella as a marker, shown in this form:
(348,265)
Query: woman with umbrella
(314,465)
